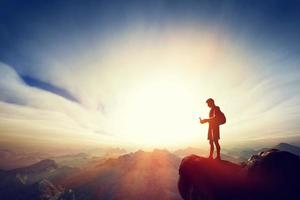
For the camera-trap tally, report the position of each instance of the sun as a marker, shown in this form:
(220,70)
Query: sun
(158,113)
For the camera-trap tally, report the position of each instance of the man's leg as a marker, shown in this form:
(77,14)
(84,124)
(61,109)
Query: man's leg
(218,149)
(211,152)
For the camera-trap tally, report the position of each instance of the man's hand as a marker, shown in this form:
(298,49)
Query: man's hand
(202,121)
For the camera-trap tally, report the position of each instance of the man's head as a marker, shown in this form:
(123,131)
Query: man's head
(210,102)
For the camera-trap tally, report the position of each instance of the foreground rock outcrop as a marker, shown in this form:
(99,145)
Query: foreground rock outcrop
(272,174)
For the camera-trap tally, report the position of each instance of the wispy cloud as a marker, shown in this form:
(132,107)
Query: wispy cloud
(48,87)
(44,110)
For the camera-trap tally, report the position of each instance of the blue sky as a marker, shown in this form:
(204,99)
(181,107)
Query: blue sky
(81,64)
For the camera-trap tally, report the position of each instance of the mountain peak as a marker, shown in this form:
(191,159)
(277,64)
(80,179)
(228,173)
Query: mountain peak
(42,165)
(282,144)
(288,147)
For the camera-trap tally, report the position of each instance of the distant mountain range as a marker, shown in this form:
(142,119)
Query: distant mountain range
(242,154)
(134,176)
(12,160)
(198,151)
(287,147)
(189,151)
(33,181)
(139,175)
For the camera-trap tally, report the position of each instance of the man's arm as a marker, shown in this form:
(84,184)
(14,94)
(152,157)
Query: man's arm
(203,121)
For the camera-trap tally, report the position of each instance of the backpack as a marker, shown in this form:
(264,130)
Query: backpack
(221,119)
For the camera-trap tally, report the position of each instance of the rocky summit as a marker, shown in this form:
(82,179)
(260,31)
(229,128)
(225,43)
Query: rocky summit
(272,174)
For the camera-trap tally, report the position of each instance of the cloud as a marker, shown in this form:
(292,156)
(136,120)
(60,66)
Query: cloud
(22,105)
(48,87)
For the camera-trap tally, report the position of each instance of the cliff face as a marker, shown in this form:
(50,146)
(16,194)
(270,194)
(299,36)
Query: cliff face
(269,175)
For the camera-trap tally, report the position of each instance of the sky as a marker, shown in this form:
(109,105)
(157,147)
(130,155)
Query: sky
(136,74)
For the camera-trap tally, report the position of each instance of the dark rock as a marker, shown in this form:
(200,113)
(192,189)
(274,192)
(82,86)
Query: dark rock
(269,175)
(274,175)
(203,178)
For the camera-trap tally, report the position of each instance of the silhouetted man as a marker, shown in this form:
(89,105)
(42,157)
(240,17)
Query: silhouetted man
(216,118)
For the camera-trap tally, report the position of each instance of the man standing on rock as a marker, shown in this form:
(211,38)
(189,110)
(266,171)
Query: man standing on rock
(216,118)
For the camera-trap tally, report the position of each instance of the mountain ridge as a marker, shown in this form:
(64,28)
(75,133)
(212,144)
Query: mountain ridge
(135,175)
